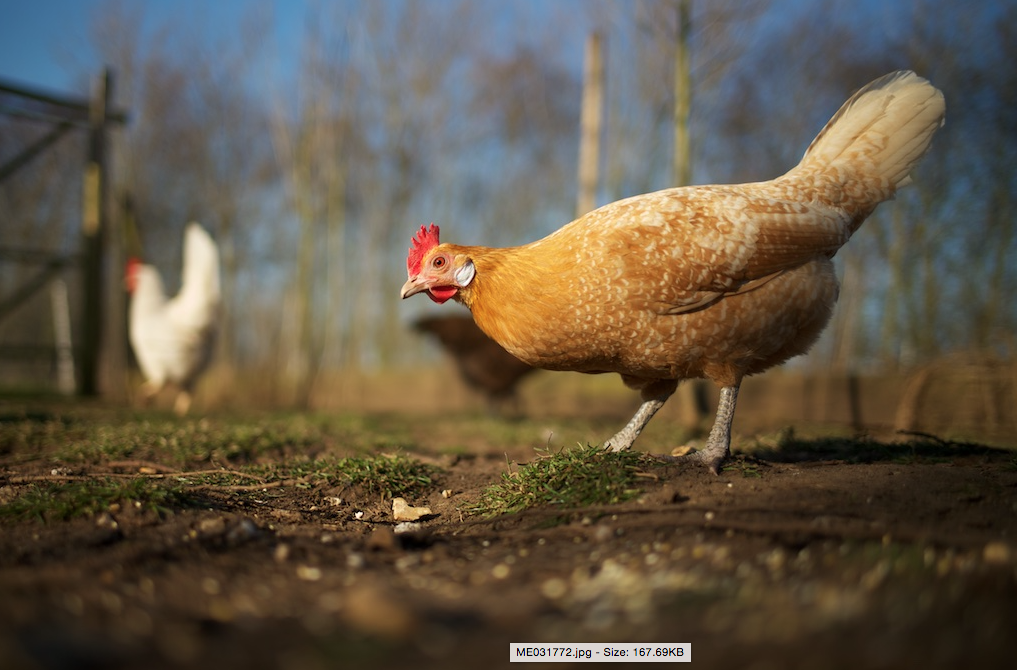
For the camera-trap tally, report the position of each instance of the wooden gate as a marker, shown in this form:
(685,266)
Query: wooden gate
(101,353)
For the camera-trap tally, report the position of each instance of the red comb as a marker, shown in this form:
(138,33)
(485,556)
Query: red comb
(131,272)
(426,239)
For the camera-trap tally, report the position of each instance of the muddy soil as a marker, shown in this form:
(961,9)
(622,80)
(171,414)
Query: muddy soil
(815,558)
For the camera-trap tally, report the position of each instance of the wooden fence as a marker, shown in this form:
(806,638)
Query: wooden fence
(101,355)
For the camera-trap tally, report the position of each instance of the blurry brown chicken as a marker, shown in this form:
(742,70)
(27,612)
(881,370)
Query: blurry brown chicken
(702,281)
(482,363)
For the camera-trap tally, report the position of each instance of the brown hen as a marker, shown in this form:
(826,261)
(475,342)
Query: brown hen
(715,282)
(483,364)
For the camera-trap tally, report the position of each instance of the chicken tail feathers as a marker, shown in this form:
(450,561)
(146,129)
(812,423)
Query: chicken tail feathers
(201,264)
(881,131)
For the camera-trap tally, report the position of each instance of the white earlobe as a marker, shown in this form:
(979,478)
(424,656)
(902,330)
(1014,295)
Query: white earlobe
(465,274)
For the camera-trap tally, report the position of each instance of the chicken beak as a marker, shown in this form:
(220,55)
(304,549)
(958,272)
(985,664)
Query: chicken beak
(412,287)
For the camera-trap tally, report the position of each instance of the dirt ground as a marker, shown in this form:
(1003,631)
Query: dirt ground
(811,557)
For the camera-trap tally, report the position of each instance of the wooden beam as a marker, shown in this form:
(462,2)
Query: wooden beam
(52,268)
(30,152)
(66,102)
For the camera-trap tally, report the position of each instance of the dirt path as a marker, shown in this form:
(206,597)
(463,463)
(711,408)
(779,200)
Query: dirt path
(814,559)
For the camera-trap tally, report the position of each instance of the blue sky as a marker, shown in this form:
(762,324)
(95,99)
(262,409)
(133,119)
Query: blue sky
(32,34)
(45,43)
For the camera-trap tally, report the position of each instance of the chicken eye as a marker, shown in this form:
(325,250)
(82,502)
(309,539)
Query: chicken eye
(438,262)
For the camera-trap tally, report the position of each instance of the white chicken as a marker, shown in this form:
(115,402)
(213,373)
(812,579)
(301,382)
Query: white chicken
(173,337)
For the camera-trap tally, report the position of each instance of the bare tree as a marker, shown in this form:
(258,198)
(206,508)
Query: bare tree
(312,144)
(196,147)
(237,164)
(401,113)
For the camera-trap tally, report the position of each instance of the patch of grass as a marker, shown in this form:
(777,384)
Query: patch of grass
(60,501)
(384,475)
(154,436)
(569,478)
(389,476)
(748,469)
(181,442)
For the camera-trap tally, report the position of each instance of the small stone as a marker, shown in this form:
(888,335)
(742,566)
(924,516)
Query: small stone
(308,573)
(378,611)
(874,578)
(242,532)
(212,526)
(219,609)
(554,588)
(683,450)
(403,511)
(997,553)
(382,539)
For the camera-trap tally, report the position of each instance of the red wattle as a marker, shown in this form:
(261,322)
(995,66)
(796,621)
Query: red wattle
(440,294)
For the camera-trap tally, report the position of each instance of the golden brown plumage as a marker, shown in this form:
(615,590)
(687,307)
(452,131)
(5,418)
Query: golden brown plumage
(705,281)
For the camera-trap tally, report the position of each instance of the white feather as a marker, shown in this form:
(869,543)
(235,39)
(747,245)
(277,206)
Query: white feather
(889,124)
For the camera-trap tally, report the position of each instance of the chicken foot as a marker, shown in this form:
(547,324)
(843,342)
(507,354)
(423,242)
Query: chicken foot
(149,390)
(182,404)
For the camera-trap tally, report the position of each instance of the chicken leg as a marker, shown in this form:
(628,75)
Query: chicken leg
(718,445)
(182,404)
(148,390)
(655,394)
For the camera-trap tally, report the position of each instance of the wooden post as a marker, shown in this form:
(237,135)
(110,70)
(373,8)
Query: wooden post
(683,97)
(61,307)
(93,230)
(591,122)
(692,396)
(113,357)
